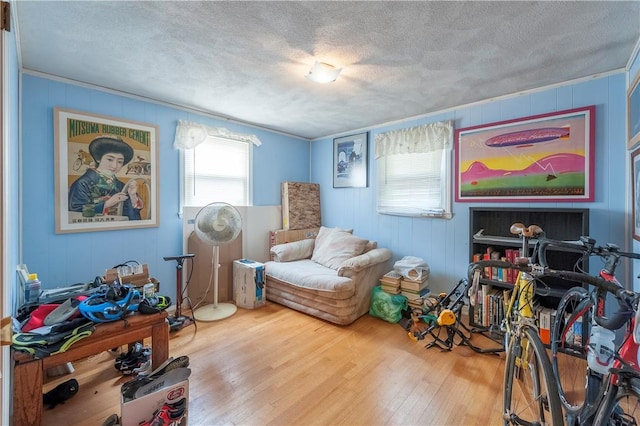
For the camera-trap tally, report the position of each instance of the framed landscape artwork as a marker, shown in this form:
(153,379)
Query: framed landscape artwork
(106,173)
(547,157)
(350,161)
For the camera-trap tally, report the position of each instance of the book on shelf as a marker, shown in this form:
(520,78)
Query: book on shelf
(490,306)
(544,321)
(574,335)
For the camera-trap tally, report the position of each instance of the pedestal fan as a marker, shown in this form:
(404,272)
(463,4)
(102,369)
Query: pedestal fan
(217,224)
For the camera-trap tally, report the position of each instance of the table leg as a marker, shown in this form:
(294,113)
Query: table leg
(27,397)
(159,344)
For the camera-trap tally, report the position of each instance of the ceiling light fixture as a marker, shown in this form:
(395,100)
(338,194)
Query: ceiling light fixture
(322,72)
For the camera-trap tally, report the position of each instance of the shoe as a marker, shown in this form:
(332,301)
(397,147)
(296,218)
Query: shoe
(112,420)
(134,358)
(129,389)
(168,414)
(143,386)
(153,305)
(137,347)
(135,366)
(61,393)
(144,369)
(181,361)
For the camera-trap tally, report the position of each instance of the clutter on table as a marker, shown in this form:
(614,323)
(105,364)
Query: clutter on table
(49,321)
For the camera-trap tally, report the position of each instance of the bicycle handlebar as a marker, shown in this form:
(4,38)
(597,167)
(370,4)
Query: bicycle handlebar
(545,243)
(625,298)
(611,253)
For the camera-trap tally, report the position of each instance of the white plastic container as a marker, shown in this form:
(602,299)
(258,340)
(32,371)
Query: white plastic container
(601,349)
(32,289)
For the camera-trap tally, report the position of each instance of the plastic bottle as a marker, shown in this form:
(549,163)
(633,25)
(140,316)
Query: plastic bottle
(601,349)
(32,289)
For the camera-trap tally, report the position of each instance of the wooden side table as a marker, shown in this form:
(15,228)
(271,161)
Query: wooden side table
(28,372)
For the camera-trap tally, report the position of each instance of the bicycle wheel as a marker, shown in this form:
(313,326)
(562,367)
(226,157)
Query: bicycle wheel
(621,406)
(530,390)
(569,337)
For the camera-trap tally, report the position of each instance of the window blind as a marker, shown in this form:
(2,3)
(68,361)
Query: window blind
(217,170)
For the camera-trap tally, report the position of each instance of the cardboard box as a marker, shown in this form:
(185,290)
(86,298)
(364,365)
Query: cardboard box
(300,205)
(142,409)
(249,284)
(282,236)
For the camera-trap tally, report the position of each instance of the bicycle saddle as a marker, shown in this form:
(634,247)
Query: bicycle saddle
(525,231)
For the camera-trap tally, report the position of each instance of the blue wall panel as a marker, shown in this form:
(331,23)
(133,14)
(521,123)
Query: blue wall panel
(444,244)
(64,259)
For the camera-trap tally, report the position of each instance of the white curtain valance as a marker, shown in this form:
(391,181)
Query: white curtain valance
(190,134)
(419,139)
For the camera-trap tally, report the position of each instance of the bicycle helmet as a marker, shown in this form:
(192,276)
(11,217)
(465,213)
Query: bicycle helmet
(111,305)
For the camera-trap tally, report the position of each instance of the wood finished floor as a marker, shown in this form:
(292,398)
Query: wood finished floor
(277,366)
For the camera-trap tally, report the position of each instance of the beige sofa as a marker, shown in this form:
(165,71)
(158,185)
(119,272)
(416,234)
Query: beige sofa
(330,277)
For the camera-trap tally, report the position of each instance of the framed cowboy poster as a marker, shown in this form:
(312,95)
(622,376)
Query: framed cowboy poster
(106,173)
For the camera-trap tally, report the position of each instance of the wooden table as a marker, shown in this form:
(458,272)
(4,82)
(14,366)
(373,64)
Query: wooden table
(28,372)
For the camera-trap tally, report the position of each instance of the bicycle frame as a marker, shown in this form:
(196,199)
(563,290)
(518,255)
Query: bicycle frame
(530,389)
(628,353)
(600,403)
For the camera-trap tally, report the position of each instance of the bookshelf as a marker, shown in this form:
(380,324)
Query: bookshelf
(558,223)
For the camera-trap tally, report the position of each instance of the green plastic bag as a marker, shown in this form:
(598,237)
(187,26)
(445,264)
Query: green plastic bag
(387,306)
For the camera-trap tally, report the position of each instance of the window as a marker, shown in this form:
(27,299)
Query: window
(215,163)
(414,171)
(217,170)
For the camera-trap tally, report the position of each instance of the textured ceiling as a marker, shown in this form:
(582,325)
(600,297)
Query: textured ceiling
(247,60)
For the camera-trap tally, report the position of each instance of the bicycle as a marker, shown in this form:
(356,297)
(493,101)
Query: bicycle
(83,158)
(618,399)
(620,404)
(581,389)
(530,389)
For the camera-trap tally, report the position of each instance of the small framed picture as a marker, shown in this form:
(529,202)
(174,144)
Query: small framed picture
(350,161)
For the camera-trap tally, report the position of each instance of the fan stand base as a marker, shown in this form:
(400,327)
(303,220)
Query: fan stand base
(215,313)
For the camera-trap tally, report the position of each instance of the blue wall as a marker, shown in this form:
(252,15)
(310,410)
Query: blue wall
(444,244)
(64,259)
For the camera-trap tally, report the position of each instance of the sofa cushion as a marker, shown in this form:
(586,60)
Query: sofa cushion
(295,250)
(370,246)
(335,247)
(323,232)
(309,275)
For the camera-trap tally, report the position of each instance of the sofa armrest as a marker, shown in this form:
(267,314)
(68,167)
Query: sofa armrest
(296,250)
(364,261)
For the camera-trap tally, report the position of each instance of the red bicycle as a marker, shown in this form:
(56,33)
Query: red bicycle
(597,383)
